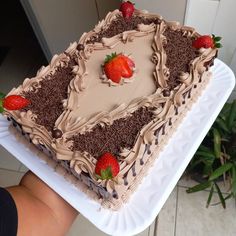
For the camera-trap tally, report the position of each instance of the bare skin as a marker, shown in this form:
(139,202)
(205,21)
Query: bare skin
(41,211)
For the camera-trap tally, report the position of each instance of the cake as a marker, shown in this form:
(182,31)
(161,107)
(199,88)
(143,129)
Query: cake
(75,113)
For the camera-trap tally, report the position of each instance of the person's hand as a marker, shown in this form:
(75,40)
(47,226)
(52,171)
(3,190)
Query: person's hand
(41,211)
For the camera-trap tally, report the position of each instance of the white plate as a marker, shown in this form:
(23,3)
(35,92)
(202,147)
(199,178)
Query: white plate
(146,202)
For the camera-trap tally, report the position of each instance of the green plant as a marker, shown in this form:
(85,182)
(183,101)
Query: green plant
(215,159)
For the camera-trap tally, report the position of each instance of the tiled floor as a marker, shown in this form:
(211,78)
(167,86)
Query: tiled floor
(181,215)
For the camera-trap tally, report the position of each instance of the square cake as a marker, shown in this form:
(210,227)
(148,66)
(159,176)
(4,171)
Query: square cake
(86,106)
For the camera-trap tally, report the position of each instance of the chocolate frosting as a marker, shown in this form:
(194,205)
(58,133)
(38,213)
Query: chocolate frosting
(120,25)
(179,53)
(112,138)
(46,101)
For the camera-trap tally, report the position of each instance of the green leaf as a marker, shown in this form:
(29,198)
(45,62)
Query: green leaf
(110,57)
(226,198)
(232,115)
(225,110)
(220,171)
(221,123)
(207,169)
(210,196)
(233,187)
(217,39)
(193,164)
(2,95)
(106,174)
(218,45)
(205,154)
(217,143)
(202,148)
(222,200)
(199,187)
(1,107)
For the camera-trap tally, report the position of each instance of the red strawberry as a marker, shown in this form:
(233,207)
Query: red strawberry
(127,9)
(207,41)
(15,102)
(107,166)
(129,61)
(118,66)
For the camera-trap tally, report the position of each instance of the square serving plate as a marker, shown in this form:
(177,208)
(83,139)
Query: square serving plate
(141,209)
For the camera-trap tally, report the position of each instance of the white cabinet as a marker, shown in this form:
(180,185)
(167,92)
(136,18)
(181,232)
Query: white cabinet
(56,23)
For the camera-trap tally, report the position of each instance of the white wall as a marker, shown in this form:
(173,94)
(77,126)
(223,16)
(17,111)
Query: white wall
(217,17)
(104,6)
(172,10)
(59,22)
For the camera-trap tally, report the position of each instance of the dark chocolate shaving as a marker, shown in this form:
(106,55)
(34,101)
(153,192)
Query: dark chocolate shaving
(46,103)
(111,138)
(180,53)
(120,25)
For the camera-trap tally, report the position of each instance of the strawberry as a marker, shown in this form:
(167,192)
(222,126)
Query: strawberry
(207,41)
(127,9)
(129,61)
(14,102)
(107,167)
(118,66)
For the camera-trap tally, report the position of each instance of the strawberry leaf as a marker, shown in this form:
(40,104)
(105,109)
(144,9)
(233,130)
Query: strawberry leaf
(1,106)
(2,95)
(217,39)
(218,45)
(106,174)
(110,57)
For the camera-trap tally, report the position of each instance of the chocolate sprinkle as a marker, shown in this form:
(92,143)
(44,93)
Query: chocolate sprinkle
(166,93)
(111,138)
(180,53)
(46,102)
(119,25)
(56,133)
(80,47)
